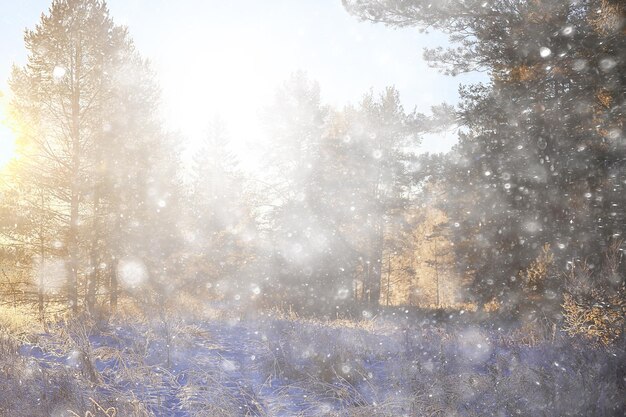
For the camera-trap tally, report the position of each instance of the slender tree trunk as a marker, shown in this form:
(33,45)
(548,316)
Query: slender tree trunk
(96,256)
(376,245)
(388,278)
(376,256)
(437,275)
(75,179)
(42,255)
(92,285)
(364,287)
(113,285)
(73,252)
(113,281)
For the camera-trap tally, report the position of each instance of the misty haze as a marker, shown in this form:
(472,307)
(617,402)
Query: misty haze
(341,208)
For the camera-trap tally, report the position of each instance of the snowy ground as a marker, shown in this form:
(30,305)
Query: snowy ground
(269,366)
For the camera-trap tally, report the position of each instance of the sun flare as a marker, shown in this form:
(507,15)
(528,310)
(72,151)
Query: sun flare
(7,142)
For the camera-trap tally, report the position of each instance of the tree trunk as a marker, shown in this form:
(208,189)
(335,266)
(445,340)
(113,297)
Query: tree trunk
(92,285)
(376,256)
(437,275)
(113,284)
(388,278)
(42,255)
(73,254)
(75,179)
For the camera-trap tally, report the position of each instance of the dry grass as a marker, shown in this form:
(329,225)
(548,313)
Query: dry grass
(19,321)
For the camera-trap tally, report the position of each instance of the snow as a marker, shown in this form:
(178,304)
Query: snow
(132,272)
(266,365)
(607,64)
(545,52)
(339,272)
(58,73)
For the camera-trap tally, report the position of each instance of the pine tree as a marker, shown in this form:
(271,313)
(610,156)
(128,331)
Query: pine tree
(56,101)
(221,222)
(85,105)
(295,123)
(380,135)
(541,145)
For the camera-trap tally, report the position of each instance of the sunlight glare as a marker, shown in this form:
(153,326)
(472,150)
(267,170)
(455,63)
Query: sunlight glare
(7,142)
(233,77)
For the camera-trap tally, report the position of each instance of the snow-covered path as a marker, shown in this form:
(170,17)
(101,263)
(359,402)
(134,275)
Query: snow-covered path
(218,368)
(271,367)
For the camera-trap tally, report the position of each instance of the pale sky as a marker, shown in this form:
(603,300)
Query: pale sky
(228,57)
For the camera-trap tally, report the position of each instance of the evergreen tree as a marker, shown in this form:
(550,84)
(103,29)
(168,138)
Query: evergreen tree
(380,136)
(84,105)
(56,99)
(541,149)
(221,223)
(295,124)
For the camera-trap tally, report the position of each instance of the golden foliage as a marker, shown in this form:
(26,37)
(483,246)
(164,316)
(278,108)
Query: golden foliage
(604,98)
(18,321)
(492,306)
(594,307)
(522,73)
(538,272)
(604,101)
(598,317)
(609,17)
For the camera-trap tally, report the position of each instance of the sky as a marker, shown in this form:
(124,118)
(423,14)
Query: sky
(227,58)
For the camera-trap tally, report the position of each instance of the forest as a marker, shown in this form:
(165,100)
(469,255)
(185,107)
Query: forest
(348,272)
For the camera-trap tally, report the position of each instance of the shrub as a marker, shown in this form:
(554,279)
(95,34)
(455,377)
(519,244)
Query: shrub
(540,270)
(598,316)
(595,303)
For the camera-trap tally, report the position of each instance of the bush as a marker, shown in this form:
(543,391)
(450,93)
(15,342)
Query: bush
(598,317)
(594,304)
